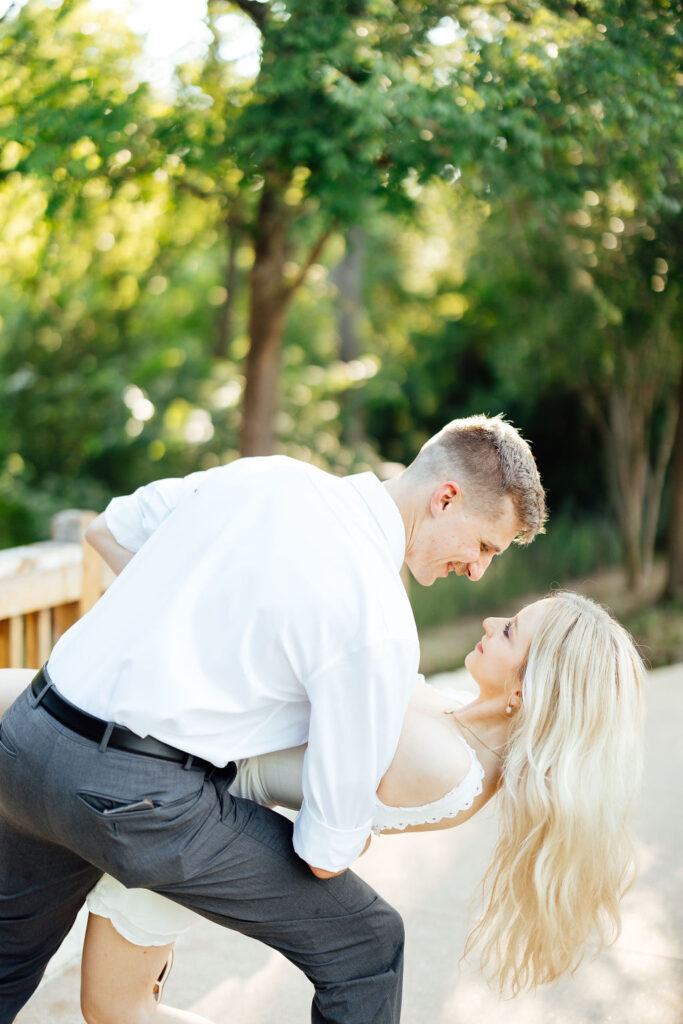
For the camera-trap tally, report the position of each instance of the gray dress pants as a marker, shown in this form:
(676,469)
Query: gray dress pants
(70,810)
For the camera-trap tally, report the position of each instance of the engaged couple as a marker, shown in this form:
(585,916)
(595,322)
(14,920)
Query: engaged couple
(258,649)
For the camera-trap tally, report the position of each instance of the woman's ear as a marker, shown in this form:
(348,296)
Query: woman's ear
(514,701)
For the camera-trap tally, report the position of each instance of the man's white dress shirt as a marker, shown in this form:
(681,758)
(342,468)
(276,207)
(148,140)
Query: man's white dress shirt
(263,609)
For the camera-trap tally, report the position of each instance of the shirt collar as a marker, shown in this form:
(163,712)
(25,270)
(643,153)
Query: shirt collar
(384,510)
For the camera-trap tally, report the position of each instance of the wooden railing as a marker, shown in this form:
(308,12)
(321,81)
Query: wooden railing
(45,588)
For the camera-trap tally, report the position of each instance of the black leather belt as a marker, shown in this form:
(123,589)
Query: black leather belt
(94,728)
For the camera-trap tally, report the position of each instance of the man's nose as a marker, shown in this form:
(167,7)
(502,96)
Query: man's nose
(475,570)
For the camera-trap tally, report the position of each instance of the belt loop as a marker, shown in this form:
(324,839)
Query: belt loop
(188,763)
(48,685)
(104,742)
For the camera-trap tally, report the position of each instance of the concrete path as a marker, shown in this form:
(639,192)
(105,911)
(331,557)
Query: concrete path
(433,880)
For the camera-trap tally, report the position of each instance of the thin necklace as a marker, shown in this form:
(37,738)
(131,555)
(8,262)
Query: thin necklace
(494,750)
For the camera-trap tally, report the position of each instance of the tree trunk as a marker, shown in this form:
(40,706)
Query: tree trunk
(634,489)
(227,310)
(628,454)
(268,301)
(674,583)
(655,485)
(348,276)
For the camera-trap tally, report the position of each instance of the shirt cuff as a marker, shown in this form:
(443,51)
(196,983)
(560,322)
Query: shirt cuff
(322,846)
(117,517)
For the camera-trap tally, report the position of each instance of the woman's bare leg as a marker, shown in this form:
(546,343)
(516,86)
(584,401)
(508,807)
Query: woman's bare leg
(118,980)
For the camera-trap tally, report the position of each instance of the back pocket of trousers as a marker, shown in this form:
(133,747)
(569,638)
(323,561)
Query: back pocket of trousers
(5,744)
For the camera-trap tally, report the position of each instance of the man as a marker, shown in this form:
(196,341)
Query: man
(259,606)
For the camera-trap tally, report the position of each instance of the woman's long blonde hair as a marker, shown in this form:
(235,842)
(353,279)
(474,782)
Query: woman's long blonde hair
(564,856)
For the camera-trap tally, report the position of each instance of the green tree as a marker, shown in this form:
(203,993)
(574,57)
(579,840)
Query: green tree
(104,271)
(674,583)
(570,286)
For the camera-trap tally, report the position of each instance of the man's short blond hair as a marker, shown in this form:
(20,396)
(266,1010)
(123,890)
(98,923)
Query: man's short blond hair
(492,460)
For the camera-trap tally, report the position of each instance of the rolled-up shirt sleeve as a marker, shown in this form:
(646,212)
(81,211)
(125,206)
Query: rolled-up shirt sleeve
(358,702)
(133,518)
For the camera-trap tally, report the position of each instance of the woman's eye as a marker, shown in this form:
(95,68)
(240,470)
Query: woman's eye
(506,629)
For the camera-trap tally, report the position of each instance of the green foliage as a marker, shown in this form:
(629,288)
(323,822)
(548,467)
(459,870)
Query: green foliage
(516,167)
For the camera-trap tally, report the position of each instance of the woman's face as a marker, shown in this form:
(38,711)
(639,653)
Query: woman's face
(494,662)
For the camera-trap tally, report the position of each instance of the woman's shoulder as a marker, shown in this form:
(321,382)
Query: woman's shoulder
(437,813)
(440,694)
(431,758)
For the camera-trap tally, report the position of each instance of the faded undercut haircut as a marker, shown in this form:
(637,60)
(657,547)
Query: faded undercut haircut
(492,460)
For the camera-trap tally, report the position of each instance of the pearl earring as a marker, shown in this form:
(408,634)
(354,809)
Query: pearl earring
(509,709)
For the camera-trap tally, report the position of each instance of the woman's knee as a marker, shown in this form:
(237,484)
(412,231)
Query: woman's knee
(95,1010)
(99,1009)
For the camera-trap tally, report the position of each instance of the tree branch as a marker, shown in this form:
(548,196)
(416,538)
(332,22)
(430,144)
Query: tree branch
(312,257)
(12,9)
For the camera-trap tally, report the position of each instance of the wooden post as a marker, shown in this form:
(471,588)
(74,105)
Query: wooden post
(31,640)
(16,642)
(4,643)
(44,636)
(45,588)
(63,617)
(71,525)
(37,637)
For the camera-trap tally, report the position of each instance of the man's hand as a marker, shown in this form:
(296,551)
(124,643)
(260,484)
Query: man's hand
(321,873)
(100,537)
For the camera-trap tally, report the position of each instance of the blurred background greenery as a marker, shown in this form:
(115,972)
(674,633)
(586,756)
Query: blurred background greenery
(327,228)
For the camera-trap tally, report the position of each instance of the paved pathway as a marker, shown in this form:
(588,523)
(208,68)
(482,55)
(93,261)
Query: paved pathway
(432,878)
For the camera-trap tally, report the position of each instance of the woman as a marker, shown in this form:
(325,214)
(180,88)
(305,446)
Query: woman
(555,729)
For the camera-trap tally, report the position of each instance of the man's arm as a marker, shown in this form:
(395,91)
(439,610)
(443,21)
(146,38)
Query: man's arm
(358,701)
(100,537)
(319,872)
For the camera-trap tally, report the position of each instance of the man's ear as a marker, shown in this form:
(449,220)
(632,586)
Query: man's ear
(444,495)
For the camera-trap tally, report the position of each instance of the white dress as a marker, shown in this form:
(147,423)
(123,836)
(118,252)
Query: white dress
(148,919)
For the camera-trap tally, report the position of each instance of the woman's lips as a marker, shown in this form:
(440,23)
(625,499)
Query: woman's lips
(480,648)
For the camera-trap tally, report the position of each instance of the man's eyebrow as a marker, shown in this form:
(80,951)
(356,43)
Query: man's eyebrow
(494,547)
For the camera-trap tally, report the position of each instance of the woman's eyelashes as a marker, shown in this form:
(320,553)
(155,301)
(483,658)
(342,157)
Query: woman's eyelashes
(506,629)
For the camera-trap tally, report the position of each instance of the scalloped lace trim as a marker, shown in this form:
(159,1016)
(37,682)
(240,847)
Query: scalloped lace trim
(456,800)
